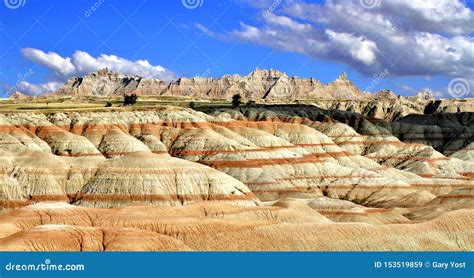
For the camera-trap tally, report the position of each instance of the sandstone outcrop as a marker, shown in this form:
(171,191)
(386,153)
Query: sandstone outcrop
(106,159)
(284,175)
(105,83)
(259,84)
(18,96)
(445,132)
(268,86)
(211,226)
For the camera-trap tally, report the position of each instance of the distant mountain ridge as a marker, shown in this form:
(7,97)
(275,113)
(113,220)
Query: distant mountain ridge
(259,84)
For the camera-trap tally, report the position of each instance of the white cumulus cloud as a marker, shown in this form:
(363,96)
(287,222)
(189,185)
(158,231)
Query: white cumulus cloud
(85,63)
(359,48)
(82,63)
(37,89)
(58,65)
(406,37)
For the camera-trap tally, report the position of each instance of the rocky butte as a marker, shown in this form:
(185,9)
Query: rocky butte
(270,86)
(339,169)
(259,84)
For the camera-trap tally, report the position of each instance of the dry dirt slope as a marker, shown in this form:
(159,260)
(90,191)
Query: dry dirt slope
(214,226)
(260,180)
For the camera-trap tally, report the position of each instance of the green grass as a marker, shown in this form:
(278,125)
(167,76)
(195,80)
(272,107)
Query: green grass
(89,103)
(66,104)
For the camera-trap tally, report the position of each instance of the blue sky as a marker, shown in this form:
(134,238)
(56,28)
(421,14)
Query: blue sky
(420,44)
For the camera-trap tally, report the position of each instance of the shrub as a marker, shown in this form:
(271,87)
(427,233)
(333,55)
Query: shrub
(108,104)
(130,99)
(236,100)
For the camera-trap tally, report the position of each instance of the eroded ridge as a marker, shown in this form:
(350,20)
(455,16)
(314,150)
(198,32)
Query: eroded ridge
(227,174)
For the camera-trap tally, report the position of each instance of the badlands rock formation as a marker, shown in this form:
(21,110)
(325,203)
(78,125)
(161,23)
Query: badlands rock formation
(445,132)
(259,84)
(18,96)
(213,226)
(105,83)
(268,86)
(265,178)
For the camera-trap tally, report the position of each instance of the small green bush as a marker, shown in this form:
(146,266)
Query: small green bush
(236,100)
(130,99)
